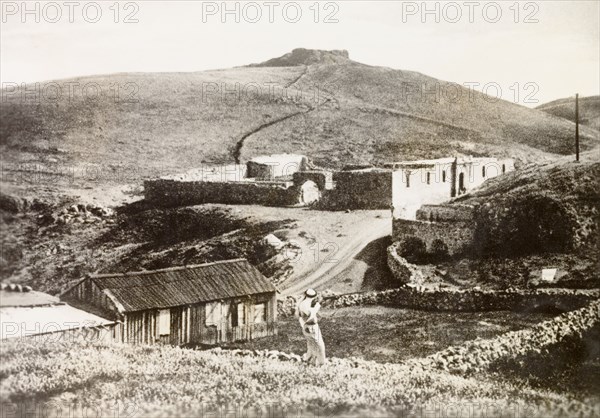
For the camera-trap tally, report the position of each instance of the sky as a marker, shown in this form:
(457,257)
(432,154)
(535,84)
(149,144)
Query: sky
(532,51)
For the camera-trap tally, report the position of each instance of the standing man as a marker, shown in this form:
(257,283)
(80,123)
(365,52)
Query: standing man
(307,316)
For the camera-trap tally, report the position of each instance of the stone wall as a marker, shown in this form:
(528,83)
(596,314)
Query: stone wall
(458,236)
(470,300)
(276,165)
(165,192)
(402,270)
(446,213)
(558,334)
(323,179)
(450,300)
(360,189)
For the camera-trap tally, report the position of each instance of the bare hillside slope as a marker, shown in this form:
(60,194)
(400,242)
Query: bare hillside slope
(324,105)
(589,110)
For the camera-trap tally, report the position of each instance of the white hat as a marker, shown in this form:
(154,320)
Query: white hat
(310,293)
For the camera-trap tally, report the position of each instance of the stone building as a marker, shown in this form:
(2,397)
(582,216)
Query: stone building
(269,167)
(451,225)
(415,183)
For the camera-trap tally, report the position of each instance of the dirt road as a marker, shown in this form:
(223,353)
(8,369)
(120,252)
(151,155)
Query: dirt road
(334,250)
(343,260)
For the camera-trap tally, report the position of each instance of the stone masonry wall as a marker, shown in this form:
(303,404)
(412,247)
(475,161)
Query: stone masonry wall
(557,334)
(449,300)
(446,213)
(323,179)
(403,271)
(165,192)
(360,189)
(458,236)
(470,300)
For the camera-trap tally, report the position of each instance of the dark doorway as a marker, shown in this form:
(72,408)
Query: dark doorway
(461,183)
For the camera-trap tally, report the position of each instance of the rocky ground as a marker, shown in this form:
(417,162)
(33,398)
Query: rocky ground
(52,241)
(89,213)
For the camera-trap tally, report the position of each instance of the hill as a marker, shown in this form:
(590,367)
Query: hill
(121,128)
(589,110)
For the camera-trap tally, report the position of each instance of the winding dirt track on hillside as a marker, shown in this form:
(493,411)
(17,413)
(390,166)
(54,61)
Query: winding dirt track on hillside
(294,81)
(327,271)
(239,145)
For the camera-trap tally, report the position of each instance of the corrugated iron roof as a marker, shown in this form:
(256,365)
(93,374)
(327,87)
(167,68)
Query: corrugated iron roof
(17,322)
(136,291)
(31,298)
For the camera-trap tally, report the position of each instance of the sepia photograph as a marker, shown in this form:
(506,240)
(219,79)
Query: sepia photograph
(299,209)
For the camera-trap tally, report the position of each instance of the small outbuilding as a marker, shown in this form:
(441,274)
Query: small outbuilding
(269,167)
(211,303)
(26,313)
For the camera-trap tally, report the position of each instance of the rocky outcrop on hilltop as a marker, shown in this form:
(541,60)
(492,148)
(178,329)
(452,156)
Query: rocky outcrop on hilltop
(302,56)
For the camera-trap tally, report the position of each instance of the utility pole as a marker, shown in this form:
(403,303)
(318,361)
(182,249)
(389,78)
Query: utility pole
(577,127)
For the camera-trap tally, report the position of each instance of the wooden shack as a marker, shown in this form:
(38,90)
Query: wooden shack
(212,303)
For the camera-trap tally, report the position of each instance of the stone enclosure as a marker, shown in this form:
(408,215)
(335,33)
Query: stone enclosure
(290,179)
(275,180)
(266,180)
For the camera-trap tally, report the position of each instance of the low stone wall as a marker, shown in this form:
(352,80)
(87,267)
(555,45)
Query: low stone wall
(470,300)
(401,269)
(458,236)
(446,213)
(478,355)
(459,300)
(166,192)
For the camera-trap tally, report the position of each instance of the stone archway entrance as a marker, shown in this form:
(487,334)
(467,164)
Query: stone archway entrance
(309,192)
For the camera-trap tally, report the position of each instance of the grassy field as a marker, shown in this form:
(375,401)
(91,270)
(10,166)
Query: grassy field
(390,335)
(155,381)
